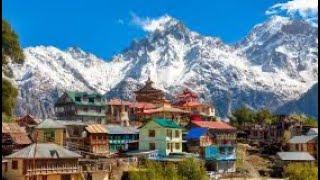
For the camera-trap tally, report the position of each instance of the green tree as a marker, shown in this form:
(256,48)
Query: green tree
(10,45)
(264,116)
(191,169)
(243,115)
(301,171)
(9,95)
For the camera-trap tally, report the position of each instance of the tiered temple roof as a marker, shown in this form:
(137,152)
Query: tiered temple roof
(149,93)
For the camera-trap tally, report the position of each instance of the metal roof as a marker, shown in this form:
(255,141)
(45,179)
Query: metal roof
(302,139)
(313,131)
(50,124)
(117,129)
(165,109)
(12,128)
(166,123)
(213,125)
(96,128)
(295,156)
(46,151)
(196,133)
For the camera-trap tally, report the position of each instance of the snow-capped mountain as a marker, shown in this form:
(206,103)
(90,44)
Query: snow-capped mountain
(275,63)
(306,104)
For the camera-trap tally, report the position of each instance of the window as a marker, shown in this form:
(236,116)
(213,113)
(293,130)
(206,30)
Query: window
(177,134)
(168,146)
(14,164)
(152,133)
(48,135)
(91,100)
(5,167)
(169,133)
(78,99)
(297,147)
(177,145)
(85,109)
(152,146)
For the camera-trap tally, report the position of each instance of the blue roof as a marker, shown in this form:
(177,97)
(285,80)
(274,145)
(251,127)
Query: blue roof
(195,133)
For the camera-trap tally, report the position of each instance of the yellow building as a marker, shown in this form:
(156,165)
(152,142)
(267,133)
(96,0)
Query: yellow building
(42,162)
(50,131)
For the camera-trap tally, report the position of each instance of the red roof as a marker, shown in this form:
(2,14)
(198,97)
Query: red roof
(196,117)
(212,124)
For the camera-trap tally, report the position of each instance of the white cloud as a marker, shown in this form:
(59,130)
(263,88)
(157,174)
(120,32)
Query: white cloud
(305,8)
(150,25)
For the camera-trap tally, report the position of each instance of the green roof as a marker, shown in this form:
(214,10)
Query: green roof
(167,123)
(73,94)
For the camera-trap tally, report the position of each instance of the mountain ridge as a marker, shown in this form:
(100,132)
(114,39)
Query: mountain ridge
(175,57)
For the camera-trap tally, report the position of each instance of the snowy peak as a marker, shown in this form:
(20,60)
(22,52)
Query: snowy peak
(276,63)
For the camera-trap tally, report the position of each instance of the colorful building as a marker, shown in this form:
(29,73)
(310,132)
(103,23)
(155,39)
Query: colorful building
(189,101)
(87,107)
(42,161)
(50,131)
(96,139)
(148,93)
(216,143)
(122,138)
(162,134)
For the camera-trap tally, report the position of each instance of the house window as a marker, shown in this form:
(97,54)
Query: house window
(152,146)
(78,99)
(169,133)
(91,100)
(177,146)
(48,135)
(5,167)
(177,134)
(297,147)
(152,133)
(85,109)
(14,164)
(168,146)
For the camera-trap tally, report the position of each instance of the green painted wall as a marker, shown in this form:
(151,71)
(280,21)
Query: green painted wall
(160,138)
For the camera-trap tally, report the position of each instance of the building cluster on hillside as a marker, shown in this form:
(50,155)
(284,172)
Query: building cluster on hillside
(89,132)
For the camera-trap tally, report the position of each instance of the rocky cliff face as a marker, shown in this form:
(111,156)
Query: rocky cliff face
(275,63)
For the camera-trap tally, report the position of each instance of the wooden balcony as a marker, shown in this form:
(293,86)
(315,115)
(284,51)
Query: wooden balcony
(45,170)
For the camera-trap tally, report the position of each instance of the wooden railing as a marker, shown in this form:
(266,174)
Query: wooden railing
(52,170)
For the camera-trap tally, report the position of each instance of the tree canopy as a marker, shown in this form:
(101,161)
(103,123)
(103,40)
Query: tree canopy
(10,45)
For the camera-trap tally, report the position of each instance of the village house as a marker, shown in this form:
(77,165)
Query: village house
(87,107)
(215,141)
(96,139)
(284,158)
(125,112)
(304,143)
(122,138)
(14,138)
(46,161)
(162,134)
(49,131)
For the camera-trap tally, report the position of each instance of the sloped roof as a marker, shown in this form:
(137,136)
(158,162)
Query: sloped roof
(302,139)
(144,105)
(313,131)
(96,128)
(196,133)
(12,128)
(18,134)
(295,156)
(46,150)
(73,94)
(117,129)
(50,124)
(20,138)
(213,125)
(166,123)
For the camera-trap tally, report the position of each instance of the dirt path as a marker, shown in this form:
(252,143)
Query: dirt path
(252,170)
